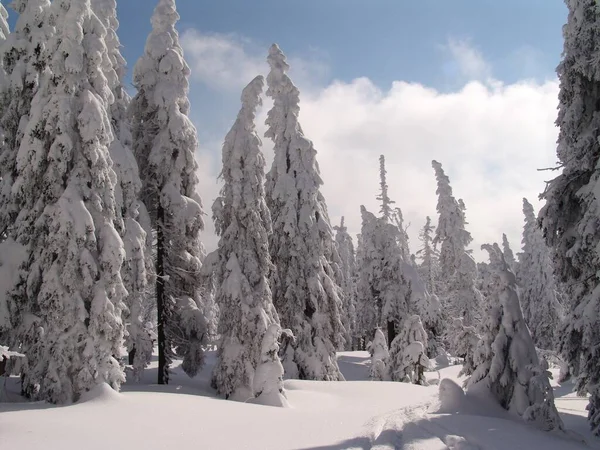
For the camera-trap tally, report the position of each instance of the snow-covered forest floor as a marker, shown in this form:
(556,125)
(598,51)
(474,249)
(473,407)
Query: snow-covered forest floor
(357,414)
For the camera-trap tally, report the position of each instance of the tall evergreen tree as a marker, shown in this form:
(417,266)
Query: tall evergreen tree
(540,295)
(398,219)
(509,256)
(24,56)
(164,142)
(571,215)
(137,260)
(243,221)
(384,291)
(506,361)
(428,268)
(303,249)
(386,203)
(458,270)
(345,248)
(65,189)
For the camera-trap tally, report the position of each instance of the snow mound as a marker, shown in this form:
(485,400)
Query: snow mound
(273,398)
(101,393)
(452,397)
(460,443)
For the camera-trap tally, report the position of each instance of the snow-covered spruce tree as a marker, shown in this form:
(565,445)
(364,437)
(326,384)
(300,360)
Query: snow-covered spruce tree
(387,210)
(368,302)
(164,142)
(506,360)
(458,270)
(345,249)
(137,261)
(465,344)
(540,297)
(379,357)
(571,216)
(408,361)
(302,246)
(24,58)
(65,189)
(428,267)
(509,256)
(398,220)
(243,222)
(430,308)
(383,285)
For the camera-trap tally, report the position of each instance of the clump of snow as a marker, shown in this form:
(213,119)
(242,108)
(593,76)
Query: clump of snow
(101,393)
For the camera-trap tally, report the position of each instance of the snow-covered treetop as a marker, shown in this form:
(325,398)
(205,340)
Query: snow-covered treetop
(450,231)
(4,30)
(243,166)
(383,197)
(509,256)
(162,70)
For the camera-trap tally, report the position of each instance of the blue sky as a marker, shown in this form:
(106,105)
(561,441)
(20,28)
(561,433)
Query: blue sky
(384,40)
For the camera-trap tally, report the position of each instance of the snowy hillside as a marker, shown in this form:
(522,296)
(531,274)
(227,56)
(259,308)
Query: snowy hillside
(356,414)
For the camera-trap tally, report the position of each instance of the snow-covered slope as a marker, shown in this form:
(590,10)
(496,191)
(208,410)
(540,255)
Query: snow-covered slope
(356,414)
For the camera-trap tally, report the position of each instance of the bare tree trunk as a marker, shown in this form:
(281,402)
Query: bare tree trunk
(163,375)
(391,332)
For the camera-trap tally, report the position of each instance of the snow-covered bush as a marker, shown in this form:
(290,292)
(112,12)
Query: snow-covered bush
(379,357)
(408,360)
(268,378)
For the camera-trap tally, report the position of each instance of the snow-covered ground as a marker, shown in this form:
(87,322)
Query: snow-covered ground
(356,414)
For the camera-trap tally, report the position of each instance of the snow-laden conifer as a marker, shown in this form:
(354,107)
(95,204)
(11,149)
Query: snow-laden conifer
(398,220)
(164,142)
(268,379)
(458,270)
(303,249)
(408,360)
(571,214)
(345,248)
(509,256)
(243,222)
(138,261)
(65,188)
(368,303)
(24,58)
(465,342)
(428,255)
(384,290)
(540,296)
(387,210)
(379,357)
(506,360)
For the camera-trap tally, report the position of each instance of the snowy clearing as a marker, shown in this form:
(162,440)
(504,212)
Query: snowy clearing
(356,414)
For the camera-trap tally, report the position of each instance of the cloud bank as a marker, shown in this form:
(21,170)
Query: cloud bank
(490,137)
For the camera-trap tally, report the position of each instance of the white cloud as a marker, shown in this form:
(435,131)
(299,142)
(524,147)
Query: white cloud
(221,60)
(230,61)
(469,61)
(491,138)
